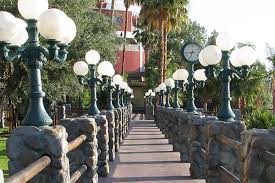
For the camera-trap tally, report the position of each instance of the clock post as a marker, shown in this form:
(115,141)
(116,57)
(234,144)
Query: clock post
(190,53)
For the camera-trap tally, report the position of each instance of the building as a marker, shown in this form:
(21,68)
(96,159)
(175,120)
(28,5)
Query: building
(134,64)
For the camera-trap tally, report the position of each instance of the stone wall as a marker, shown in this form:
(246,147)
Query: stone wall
(86,153)
(103,145)
(111,130)
(117,130)
(198,125)
(27,144)
(254,168)
(149,112)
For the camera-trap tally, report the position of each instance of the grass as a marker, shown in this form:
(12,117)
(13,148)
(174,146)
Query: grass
(3,154)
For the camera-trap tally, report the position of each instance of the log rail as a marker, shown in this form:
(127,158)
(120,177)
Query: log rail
(42,163)
(226,174)
(267,156)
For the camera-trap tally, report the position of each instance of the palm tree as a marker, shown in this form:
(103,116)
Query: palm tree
(113,12)
(127,6)
(164,16)
(271,58)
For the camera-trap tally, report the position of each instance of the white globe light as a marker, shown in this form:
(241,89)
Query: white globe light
(246,56)
(117,79)
(21,35)
(32,9)
(162,87)
(150,91)
(8,27)
(202,62)
(81,68)
(181,75)
(153,94)
(234,58)
(52,24)
(147,94)
(123,85)
(92,57)
(225,42)
(69,32)
(199,75)
(169,82)
(132,96)
(157,90)
(211,55)
(105,68)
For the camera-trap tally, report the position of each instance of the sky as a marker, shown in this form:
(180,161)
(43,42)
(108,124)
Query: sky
(246,20)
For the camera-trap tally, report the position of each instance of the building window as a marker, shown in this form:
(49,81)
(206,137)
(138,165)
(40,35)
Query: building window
(118,20)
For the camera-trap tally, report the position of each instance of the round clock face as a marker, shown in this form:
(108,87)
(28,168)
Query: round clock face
(191,52)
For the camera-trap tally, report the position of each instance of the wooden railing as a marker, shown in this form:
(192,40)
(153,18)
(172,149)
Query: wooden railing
(267,157)
(226,174)
(228,141)
(39,165)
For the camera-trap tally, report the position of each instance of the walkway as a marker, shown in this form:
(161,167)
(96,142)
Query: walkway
(146,157)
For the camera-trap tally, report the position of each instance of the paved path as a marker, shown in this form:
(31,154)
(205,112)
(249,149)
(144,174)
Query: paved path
(146,157)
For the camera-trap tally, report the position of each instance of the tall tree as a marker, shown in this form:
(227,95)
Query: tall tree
(164,16)
(271,57)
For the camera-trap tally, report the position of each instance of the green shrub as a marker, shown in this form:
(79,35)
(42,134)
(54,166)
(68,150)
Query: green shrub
(260,119)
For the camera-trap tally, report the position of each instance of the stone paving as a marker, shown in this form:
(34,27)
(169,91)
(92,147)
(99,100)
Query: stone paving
(145,156)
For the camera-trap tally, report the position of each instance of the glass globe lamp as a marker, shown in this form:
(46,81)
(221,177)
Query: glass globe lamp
(21,35)
(181,75)
(81,68)
(92,57)
(117,79)
(246,56)
(199,75)
(169,82)
(69,32)
(211,55)
(202,62)
(105,68)
(8,26)
(225,42)
(32,9)
(52,24)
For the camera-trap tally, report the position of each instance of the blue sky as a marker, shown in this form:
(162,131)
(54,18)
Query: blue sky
(246,20)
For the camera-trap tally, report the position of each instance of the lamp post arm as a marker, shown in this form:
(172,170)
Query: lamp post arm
(240,72)
(199,84)
(211,72)
(7,55)
(57,52)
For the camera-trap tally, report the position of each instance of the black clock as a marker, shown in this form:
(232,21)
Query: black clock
(190,52)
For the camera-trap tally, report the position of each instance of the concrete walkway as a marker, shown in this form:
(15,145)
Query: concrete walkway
(145,156)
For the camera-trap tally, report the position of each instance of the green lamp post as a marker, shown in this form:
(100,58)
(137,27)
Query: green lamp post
(241,59)
(162,90)
(19,40)
(170,84)
(105,69)
(117,79)
(180,76)
(123,87)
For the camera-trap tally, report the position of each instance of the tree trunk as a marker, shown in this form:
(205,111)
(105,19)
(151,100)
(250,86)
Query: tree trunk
(161,65)
(147,51)
(113,12)
(205,108)
(273,94)
(165,50)
(125,38)
(242,104)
